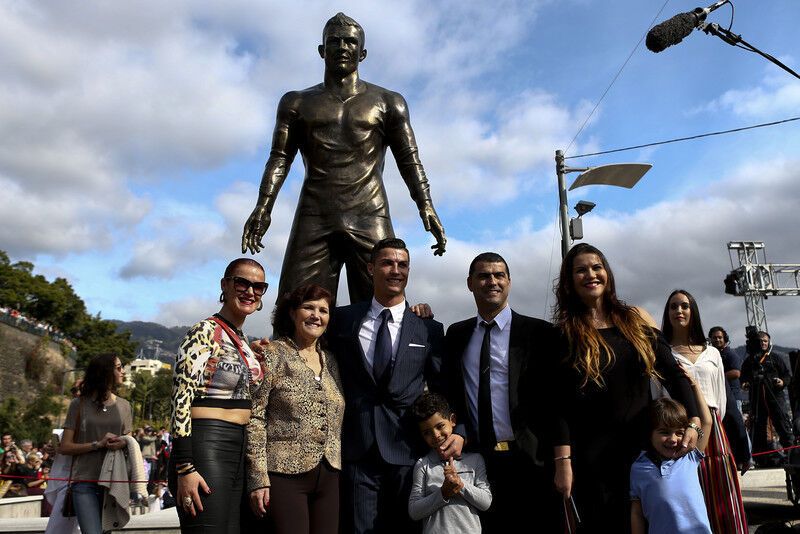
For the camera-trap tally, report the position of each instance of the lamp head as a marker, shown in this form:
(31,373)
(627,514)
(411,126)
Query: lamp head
(583,207)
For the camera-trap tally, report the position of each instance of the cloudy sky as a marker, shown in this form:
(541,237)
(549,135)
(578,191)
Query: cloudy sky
(135,134)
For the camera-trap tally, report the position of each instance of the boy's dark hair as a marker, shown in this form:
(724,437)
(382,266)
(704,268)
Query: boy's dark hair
(667,413)
(429,404)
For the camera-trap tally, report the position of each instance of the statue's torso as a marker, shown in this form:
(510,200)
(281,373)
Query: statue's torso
(343,145)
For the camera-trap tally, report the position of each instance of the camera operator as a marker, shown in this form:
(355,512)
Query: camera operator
(766,374)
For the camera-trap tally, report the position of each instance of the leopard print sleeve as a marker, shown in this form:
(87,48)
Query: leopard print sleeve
(195,350)
(256,455)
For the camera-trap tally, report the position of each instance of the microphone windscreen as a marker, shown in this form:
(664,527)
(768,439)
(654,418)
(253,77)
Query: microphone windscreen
(670,32)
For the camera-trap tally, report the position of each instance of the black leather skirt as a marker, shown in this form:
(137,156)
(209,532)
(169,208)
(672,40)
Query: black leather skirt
(218,449)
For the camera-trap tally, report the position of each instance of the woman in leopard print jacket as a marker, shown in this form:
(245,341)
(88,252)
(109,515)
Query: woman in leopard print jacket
(294,435)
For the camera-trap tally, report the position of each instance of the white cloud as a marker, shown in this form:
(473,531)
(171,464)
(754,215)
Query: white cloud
(778,95)
(184,312)
(100,101)
(63,222)
(682,244)
(188,311)
(95,97)
(676,244)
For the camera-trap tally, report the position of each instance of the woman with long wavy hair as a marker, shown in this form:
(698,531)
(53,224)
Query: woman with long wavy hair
(216,375)
(683,329)
(609,352)
(95,421)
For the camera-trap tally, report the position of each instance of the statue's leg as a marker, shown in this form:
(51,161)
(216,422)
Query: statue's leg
(308,257)
(362,234)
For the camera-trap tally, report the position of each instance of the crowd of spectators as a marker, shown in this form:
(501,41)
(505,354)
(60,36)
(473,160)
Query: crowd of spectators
(34,326)
(25,467)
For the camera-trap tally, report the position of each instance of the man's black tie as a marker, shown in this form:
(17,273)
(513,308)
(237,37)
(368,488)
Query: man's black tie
(485,420)
(383,347)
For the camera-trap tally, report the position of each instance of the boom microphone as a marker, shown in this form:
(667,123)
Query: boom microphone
(672,31)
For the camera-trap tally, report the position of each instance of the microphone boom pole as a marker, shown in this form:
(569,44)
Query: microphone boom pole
(736,40)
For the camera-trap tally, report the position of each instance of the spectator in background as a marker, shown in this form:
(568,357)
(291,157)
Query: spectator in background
(164,435)
(30,474)
(147,442)
(27,446)
(48,452)
(10,487)
(730,360)
(766,374)
(682,327)
(162,457)
(104,418)
(733,422)
(7,441)
(794,391)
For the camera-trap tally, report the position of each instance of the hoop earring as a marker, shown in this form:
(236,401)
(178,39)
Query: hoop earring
(260,305)
(222,297)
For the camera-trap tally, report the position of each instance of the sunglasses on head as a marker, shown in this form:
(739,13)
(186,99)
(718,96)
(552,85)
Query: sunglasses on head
(243,284)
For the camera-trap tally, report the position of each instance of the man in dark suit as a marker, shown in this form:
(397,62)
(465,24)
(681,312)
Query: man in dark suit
(490,376)
(386,356)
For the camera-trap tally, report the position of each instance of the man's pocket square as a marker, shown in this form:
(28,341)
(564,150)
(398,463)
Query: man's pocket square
(416,345)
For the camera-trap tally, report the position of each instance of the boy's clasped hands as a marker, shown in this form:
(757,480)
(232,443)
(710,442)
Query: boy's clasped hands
(452,482)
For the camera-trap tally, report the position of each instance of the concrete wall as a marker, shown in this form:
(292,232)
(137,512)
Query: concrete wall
(29,363)
(18,507)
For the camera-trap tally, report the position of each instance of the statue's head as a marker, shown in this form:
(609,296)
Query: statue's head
(342,45)
(340,20)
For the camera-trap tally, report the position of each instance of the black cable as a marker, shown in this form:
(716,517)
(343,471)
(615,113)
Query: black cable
(613,80)
(684,138)
(733,12)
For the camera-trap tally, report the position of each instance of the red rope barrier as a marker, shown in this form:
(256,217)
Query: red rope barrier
(775,450)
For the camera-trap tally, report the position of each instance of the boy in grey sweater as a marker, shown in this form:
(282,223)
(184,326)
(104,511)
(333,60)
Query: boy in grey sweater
(447,496)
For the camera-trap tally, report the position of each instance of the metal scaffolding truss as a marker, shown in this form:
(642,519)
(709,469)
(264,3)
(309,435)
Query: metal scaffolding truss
(755,279)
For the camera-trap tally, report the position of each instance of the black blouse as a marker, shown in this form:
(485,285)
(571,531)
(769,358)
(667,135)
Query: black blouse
(610,422)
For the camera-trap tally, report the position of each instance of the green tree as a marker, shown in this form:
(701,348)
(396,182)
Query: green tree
(151,397)
(33,421)
(57,304)
(162,396)
(98,336)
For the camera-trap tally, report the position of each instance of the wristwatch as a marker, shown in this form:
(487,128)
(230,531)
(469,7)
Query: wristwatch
(94,446)
(697,429)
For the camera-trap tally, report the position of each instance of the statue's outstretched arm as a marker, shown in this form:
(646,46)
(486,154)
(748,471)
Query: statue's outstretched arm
(404,147)
(281,155)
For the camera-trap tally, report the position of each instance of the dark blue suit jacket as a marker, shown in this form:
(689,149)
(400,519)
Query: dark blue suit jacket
(380,414)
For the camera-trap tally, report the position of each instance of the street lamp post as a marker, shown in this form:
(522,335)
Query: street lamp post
(618,174)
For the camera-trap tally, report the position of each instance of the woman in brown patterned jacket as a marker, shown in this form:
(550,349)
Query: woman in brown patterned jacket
(294,434)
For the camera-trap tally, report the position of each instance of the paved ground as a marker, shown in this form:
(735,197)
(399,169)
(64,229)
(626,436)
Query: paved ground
(162,522)
(765,499)
(764,492)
